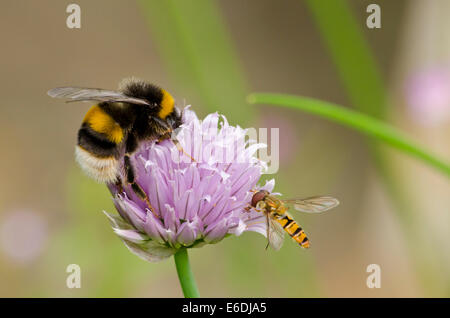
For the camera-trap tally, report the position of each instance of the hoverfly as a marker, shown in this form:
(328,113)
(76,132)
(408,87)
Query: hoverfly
(280,221)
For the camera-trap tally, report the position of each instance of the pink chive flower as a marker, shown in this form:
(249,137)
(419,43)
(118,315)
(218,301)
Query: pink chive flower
(428,96)
(196,202)
(23,235)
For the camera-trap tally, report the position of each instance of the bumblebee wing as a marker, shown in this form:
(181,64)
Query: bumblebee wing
(75,94)
(314,204)
(276,234)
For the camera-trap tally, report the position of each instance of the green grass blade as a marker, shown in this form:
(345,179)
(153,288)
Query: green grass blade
(351,54)
(197,49)
(355,120)
(358,70)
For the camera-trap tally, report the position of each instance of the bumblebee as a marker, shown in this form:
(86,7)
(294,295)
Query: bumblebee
(113,128)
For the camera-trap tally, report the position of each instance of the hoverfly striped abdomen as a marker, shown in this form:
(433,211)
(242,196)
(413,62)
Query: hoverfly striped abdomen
(279,221)
(291,227)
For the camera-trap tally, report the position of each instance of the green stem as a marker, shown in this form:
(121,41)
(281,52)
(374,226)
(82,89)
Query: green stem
(185,275)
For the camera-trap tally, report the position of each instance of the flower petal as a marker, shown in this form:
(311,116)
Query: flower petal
(236,226)
(216,232)
(151,251)
(131,211)
(155,229)
(131,235)
(196,202)
(187,233)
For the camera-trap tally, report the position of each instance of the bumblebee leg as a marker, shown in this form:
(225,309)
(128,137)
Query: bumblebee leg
(268,240)
(180,148)
(163,137)
(130,175)
(119,184)
(131,180)
(175,141)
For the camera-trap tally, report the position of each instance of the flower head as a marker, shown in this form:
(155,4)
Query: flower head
(428,96)
(194,202)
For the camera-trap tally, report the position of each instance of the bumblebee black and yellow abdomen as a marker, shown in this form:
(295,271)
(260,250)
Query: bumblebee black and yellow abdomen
(99,143)
(96,143)
(112,130)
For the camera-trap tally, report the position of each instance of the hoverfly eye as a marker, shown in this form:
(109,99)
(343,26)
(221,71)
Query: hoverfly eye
(258,196)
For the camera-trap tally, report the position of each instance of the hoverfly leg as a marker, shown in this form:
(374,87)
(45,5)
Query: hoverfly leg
(267,233)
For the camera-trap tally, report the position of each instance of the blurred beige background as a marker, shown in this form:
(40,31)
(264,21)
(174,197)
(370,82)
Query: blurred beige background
(50,214)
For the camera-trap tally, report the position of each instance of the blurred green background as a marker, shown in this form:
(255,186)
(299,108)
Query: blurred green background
(395,211)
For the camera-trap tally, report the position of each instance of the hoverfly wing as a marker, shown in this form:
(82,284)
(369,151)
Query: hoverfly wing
(314,204)
(276,234)
(75,94)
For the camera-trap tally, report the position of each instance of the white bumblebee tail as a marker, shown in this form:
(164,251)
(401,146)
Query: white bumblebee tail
(104,170)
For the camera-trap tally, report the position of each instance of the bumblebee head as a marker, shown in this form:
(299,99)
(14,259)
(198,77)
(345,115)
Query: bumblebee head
(159,98)
(258,196)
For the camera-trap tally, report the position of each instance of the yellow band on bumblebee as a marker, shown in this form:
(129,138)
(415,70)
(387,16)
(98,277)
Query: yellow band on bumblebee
(102,123)
(167,105)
